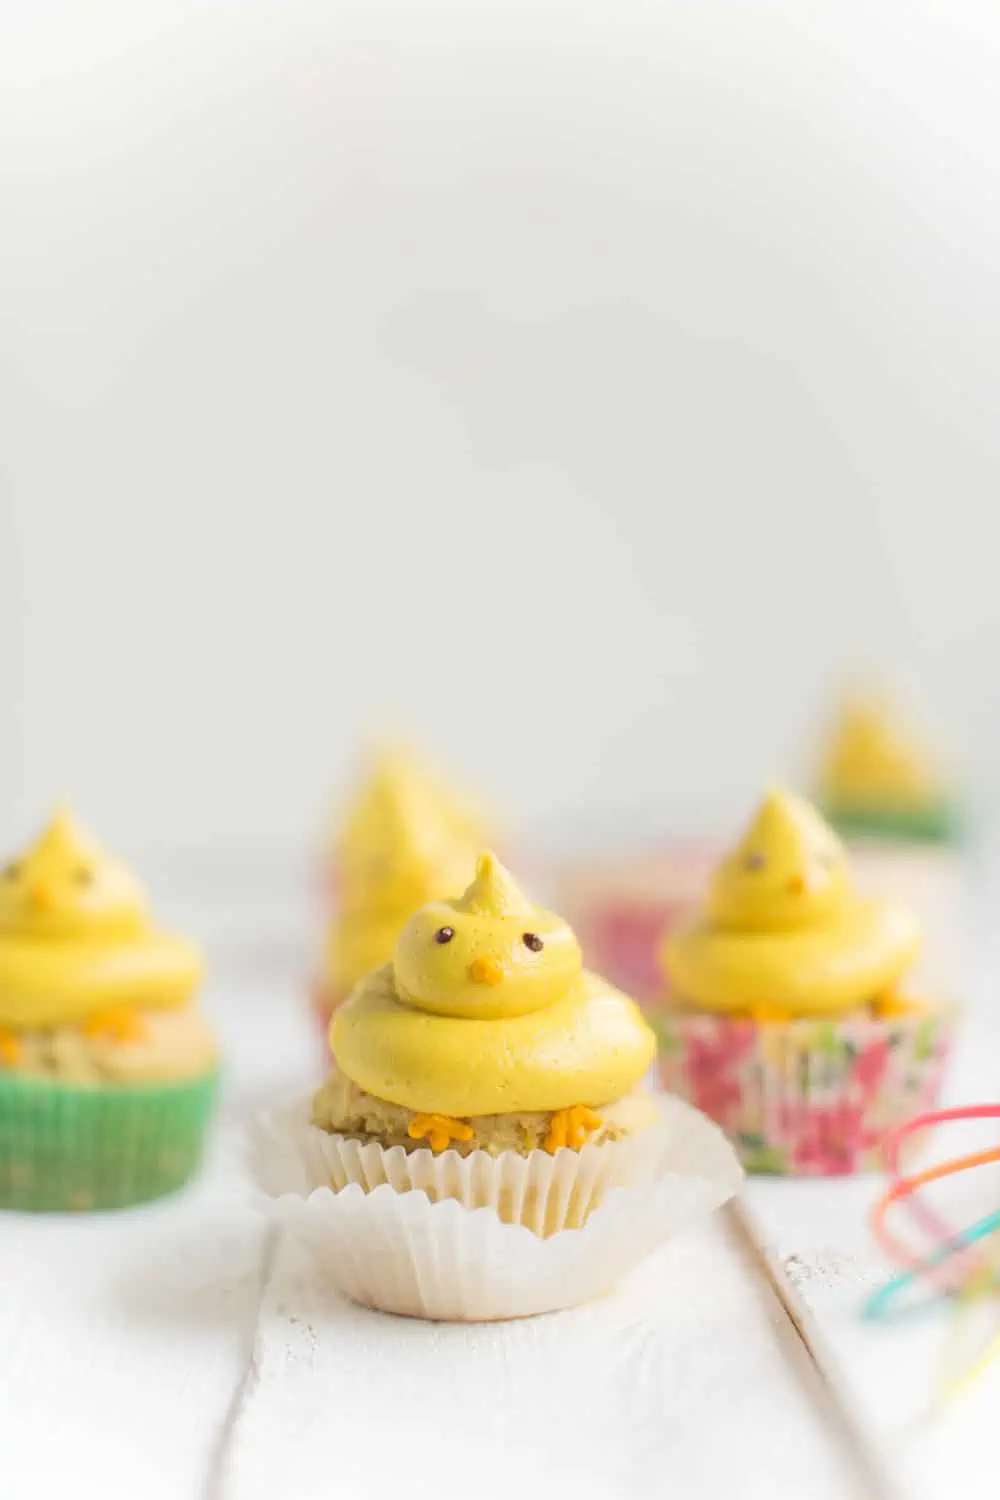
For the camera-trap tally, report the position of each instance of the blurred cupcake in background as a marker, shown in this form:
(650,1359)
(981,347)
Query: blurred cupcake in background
(889,796)
(107,1069)
(406,839)
(786,1015)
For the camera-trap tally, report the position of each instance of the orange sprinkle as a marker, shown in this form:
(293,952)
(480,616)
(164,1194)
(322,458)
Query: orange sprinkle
(119,1023)
(438,1130)
(10,1049)
(767,1015)
(570,1127)
(892,1003)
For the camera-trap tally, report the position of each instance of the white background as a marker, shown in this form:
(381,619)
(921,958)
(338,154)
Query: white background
(576,383)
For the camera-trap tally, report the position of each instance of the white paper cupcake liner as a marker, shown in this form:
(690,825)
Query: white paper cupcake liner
(478,1238)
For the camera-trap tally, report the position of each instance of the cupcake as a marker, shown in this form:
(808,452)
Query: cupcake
(107,1070)
(485,1036)
(786,1016)
(878,780)
(888,795)
(486,1121)
(403,843)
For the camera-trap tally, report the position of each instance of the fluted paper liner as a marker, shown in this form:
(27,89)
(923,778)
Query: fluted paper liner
(67,1146)
(475,1238)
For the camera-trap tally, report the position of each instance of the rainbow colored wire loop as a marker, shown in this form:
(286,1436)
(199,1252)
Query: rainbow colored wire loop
(947,1265)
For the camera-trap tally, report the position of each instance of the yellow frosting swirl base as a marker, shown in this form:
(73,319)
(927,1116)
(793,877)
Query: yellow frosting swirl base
(848,960)
(591,1047)
(48,983)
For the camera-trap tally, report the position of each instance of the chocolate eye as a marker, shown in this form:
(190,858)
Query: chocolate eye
(444,934)
(755,861)
(533,941)
(11,872)
(83,876)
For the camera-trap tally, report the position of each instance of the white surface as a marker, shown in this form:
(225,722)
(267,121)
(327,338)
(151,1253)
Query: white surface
(641,352)
(682,1381)
(122,1342)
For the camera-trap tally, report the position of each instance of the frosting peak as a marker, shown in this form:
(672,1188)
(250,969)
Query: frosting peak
(493,893)
(65,886)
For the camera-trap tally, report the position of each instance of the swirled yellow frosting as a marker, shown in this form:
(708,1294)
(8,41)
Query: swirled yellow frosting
(405,842)
(75,936)
(486,1009)
(782,930)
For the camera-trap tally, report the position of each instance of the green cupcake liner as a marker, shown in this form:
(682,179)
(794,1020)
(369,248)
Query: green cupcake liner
(938,823)
(80,1147)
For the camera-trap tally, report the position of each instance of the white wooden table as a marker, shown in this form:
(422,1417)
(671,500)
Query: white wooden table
(186,1350)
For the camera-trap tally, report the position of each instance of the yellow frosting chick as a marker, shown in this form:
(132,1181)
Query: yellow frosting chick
(873,760)
(490,953)
(75,936)
(788,870)
(401,841)
(64,886)
(783,931)
(487,1010)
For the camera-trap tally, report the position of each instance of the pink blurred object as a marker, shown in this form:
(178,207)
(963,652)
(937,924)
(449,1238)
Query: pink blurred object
(621,906)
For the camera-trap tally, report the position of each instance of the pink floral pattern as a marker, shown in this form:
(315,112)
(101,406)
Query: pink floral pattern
(713,1070)
(804,1096)
(830,1141)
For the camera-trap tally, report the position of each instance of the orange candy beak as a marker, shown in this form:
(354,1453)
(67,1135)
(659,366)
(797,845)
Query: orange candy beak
(486,970)
(796,885)
(43,897)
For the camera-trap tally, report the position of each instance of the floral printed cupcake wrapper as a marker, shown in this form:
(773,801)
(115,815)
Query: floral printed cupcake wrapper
(808,1096)
(78,1147)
